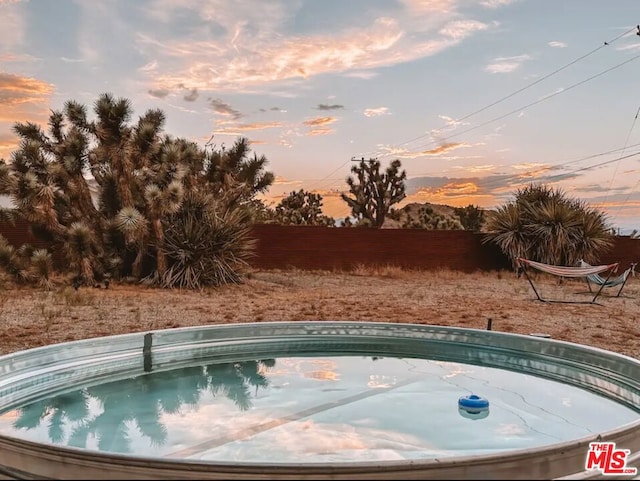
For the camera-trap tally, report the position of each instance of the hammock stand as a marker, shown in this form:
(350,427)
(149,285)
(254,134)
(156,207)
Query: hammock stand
(564,271)
(621,280)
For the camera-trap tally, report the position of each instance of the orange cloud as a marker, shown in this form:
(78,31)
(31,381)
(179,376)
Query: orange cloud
(15,89)
(320,131)
(238,129)
(446,147)
(318,121)
(456,194)
(11,57)
(23,98)
(403,153)
(529,166)
(7,145)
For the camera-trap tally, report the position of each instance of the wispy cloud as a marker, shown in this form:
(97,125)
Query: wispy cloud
(279,180)
(223,108)
(557,44)
(446,147)
(149,66)
(496,3)
(365,74)
(191,96)
(272,109)
(475,168)
(8,143)
(253,37)
(403,153)
(21,99)
(320,126)
(631,46)
(329,107)
(17,89)
(506,64)
(158,93)
(14,57)
(455,193)
(320,131)
(374,112)
(529,166)
(241,128)
(12,33)
(72,60)
(319,121)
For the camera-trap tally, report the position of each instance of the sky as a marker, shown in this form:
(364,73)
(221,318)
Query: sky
(476,98)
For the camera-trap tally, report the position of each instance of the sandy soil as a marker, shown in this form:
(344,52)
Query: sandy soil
(31,317)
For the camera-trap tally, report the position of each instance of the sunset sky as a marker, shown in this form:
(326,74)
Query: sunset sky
(475,97)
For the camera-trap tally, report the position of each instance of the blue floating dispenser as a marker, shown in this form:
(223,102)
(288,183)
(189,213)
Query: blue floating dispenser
(474,405)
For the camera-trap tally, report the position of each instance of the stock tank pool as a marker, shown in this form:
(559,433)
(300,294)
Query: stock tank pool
(314,400)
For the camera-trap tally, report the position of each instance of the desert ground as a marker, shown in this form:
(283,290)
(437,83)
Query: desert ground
(31,317)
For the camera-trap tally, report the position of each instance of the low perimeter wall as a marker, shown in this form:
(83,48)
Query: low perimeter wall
(311,247)
(328,248)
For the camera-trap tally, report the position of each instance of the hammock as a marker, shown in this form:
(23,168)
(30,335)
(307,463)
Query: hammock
(567,271)
(621,280)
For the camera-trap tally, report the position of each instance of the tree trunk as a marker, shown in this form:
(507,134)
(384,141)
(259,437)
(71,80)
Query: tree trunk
(161,258)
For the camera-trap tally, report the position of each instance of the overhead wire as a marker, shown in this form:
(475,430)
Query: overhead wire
(502,99)
(635,119)
(556,166)
(529,105)
(555,178)
(522,89)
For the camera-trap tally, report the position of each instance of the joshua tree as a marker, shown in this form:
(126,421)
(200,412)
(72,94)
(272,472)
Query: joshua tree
(107,191)
(302,208)
(373,193)
(545,225)
(471,217)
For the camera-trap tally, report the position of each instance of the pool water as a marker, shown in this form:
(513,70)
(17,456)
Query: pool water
(315,409)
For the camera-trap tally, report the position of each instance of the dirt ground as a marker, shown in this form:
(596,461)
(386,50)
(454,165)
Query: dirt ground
(31,317)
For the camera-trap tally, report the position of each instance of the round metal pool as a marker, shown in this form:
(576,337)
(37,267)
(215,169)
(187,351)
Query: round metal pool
(315,400)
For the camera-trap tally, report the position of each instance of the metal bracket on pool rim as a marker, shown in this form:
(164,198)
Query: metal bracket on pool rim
(146,351)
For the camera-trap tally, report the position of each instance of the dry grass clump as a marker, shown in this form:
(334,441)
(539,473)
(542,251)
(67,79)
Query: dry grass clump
(31,317)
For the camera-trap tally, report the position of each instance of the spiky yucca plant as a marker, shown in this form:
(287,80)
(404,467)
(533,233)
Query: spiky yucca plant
(206,246)
(545,225)
(41,268)
(11,261)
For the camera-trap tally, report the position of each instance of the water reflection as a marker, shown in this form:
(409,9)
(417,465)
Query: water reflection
(140,402)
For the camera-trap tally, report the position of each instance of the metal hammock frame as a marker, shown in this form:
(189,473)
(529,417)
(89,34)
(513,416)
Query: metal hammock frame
(621,280)
(566,271)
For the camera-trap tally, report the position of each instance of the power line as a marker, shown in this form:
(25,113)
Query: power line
(328,175)
(607,43)
(563,164)
(558,177)
(507,97)
(633,189)
(618,164)
(547,97)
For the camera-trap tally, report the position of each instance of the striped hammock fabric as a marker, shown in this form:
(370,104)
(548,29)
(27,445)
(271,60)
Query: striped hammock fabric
(566,271)
(601,281)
